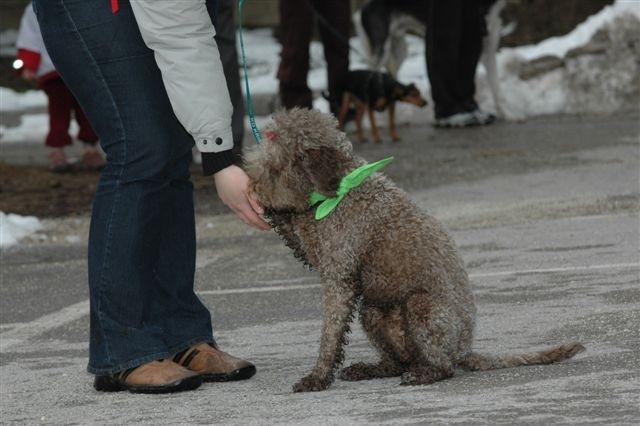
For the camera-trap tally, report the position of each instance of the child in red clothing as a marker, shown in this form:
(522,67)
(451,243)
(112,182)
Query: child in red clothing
(35,65)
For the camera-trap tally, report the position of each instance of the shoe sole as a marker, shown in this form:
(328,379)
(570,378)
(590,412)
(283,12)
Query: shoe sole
(109,384)
(239,374)
(64,168)
(475,123)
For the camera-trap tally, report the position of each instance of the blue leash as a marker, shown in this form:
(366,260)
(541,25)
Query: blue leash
(252,118)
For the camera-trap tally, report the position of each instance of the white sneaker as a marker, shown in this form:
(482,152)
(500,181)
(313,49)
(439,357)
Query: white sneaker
(484,117)
(461,119)
(477,117)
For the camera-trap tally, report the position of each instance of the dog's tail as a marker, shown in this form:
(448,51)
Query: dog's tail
(475,361)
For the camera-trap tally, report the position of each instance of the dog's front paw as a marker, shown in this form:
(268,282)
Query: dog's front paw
(311,383)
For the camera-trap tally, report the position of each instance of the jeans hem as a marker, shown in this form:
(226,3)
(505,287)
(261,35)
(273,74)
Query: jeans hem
(143,360)
(127,365)
(181,347)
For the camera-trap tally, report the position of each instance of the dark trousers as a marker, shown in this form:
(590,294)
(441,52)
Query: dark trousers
(226,40)
(296,26)
(455,29)
(62,104)
(142,244)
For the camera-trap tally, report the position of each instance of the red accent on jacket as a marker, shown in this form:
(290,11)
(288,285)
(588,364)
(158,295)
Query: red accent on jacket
(30,59)
(114,6)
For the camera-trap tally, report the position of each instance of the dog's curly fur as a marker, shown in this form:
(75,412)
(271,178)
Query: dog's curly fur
(376,253)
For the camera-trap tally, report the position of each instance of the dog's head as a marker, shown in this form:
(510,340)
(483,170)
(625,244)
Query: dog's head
(410,94)
(303,152)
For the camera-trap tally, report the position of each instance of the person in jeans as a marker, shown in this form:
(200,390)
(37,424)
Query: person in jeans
(148,75)
(296,26)
(453,40)
(35,65)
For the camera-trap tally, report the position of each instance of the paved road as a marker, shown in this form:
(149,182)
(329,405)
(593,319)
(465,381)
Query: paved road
(546,215)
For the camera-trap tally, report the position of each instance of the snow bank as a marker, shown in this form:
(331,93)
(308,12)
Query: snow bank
(14,227)
(11,100)
(581,35)
(592,69)
(33,128)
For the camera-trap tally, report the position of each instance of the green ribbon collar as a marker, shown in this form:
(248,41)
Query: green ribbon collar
(350,181)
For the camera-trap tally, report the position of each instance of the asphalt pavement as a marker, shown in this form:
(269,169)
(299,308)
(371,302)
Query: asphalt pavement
(546,216)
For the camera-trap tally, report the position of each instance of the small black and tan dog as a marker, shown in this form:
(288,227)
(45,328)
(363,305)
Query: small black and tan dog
(372,91)
(382,25)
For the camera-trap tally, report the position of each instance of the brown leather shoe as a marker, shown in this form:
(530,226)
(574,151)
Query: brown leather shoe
(213,364)
(162,376)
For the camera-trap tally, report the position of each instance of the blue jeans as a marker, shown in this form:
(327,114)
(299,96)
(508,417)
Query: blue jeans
(142,237)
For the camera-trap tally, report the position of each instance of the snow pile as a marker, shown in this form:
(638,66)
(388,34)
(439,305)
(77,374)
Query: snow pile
(33,128)
(11,100)
(593,69)
(14,227)
(583,33)
(262,53)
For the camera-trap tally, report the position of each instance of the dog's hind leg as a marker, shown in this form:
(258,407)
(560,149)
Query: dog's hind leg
(360,107)
(431,331)
(338,305)
(344,109)
(386,331)
(392,122)
(374,128)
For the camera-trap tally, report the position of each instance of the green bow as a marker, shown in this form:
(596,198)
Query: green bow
(350,181)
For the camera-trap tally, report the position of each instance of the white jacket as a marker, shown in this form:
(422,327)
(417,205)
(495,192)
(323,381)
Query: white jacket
(30,39)
(181,34)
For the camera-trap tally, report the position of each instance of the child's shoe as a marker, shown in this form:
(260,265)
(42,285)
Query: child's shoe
(58,162)
(92,159)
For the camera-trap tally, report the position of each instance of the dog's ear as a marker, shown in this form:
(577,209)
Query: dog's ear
(325,167)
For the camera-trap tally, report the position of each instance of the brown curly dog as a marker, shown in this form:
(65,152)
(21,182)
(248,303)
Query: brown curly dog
(378,254)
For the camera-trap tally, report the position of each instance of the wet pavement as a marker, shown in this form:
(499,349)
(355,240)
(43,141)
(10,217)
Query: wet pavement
(545,213)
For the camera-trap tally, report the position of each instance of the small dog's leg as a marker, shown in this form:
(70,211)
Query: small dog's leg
(359,113)
(344,109)
(392,122)
(339,304)
(374,129)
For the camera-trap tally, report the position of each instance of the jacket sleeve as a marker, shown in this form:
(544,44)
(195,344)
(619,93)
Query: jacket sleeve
(181,35)
(30,59)
(29,42)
